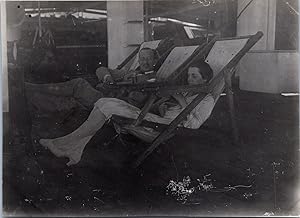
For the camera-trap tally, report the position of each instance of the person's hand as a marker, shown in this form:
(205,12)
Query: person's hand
(108,79)
(129,76)
(101,72)
(180,99)
(137,96)
(162,109)
(121,93)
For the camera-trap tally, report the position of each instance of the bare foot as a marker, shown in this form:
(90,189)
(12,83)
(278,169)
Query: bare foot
(73,153)
(73,159)
(48,143)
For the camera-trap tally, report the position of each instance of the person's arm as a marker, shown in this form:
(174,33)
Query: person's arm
(162,109)
(180,99)
(108,79)
(130,75)
(102,72)
(162,105)
(108,75)
(117,75)
(159,107)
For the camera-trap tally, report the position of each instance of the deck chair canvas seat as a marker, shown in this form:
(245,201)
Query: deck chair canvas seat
(222,55)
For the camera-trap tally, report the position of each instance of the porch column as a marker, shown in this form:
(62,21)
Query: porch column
(258,16)
(263,68)
(125,29)
(3,49)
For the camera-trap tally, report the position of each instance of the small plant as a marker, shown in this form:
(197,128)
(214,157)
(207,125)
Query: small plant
(180,190)
(205,184)
(183,190)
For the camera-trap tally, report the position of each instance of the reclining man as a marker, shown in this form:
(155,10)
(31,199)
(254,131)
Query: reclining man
(80,91)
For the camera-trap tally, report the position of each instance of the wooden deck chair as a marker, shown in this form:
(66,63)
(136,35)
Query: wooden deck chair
(175,63)
(222,55)
(131,62)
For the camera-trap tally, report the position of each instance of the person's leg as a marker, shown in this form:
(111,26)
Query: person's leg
(93,123)
(85,94)
(60,89)
(43,104)
(73,150)
(76,153)
(79,88)
(73,144)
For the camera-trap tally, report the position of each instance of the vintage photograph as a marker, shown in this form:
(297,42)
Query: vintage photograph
(150,108)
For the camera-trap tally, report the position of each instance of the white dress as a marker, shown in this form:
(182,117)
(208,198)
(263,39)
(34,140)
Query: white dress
(114,106)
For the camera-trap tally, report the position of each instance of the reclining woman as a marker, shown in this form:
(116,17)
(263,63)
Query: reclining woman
(73,144)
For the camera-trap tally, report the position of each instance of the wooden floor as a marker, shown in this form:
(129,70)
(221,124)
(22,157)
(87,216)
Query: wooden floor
(259,176)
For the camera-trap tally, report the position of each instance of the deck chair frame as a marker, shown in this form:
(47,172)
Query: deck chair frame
(199,52)
(163,89)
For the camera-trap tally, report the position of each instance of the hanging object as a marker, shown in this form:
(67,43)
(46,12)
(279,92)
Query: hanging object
(15,19)
(43,37)
(206,3)
(40,21)
(15,51)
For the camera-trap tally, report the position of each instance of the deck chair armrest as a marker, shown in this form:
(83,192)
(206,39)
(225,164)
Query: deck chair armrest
(143,87)
(161,89)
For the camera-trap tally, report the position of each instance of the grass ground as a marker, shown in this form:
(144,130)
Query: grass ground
(258,176)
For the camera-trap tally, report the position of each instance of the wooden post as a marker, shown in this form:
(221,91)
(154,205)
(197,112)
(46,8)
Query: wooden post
(230,101)
(147,34)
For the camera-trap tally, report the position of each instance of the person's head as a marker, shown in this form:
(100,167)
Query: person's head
(146,59)
(199,73)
